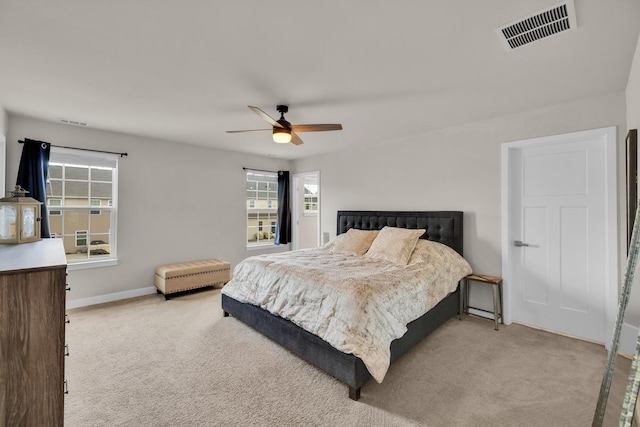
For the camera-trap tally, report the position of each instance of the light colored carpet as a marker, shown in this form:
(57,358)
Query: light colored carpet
(151,362)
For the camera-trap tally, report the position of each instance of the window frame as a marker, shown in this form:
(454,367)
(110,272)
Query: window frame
(75,157)
(269,211)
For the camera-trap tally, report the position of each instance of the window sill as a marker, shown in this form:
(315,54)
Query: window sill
(265,246)
(82,265)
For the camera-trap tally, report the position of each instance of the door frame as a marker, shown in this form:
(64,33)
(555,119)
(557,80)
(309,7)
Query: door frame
(295,211)
(3,163)
(609,136)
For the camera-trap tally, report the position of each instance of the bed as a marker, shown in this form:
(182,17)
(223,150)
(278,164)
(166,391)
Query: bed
(441,226)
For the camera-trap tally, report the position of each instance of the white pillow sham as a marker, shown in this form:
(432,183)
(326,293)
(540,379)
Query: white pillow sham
(355,242)
(394,244)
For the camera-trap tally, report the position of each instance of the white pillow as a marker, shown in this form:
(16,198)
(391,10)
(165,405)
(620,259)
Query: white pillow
(394,244)
(355,242)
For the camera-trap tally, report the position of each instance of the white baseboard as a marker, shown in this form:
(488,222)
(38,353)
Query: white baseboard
(100,299)
(628,334)
(628,339)
(481,313)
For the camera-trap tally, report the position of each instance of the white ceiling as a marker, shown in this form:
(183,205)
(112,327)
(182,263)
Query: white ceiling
(186,71)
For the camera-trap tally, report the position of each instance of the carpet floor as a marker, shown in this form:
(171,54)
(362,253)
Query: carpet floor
(150,362)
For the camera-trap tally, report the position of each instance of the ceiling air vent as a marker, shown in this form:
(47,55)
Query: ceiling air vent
(540,25)
(71,122)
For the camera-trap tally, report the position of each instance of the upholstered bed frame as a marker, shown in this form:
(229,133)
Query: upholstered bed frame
(442,226)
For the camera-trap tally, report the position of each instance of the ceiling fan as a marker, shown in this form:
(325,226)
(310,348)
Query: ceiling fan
(283,131)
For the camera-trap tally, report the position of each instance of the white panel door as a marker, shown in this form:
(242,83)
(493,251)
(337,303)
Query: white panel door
(559,236)
(305,224)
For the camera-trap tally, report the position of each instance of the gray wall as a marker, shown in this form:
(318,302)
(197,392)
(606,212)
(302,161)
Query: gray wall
(181,202)
(633,122)
(4,121)
(176,202)
(458,168)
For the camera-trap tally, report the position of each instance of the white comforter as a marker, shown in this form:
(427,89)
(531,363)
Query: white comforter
(357,304)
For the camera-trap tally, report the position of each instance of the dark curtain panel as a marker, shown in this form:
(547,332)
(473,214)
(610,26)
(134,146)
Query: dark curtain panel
(33,174)
(283,228)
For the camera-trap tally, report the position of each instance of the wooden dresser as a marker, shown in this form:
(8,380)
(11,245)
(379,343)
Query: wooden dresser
(32,333)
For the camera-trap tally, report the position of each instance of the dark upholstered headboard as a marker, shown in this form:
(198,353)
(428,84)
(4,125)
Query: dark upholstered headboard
(442,226)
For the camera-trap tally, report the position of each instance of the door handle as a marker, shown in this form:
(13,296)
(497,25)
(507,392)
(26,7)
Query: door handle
(519,243)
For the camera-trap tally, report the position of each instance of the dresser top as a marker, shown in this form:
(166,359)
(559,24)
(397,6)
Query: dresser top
(25,256)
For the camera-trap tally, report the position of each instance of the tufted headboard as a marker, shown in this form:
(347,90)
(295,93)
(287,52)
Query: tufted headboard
(442,226)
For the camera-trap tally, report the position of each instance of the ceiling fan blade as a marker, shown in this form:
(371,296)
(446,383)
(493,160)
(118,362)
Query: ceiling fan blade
(247,130)
(267,118)
(295,139)
(316,128)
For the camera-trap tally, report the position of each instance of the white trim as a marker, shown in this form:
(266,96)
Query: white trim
(611,212)
(481,313)
(264,246)
(3,162)
(249,209)
(298,179)
(295,212)
(611,262)
(628,335)
(628,338)
(117,296)
(73,156)
(92,263)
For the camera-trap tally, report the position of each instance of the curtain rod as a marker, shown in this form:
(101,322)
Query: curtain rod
(83,149)
(258,170)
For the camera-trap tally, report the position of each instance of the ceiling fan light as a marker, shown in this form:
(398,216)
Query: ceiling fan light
(281,135)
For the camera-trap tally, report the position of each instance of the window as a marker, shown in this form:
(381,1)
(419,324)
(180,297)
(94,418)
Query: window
(54,202)
(262,207)
(311,195)
(82,204)
(95,202)
(81,238)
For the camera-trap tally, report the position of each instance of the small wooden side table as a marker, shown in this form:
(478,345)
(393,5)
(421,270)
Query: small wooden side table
(496,284)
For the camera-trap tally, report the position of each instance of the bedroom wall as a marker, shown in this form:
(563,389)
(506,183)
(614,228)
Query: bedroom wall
(458,168)
(4,121)
(633,122)
(177,203)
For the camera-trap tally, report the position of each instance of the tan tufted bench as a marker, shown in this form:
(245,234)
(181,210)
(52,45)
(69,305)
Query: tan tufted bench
(184,276)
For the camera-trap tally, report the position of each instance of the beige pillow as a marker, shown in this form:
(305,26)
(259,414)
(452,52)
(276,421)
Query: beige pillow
(395,244)
(428,252)
(355,242)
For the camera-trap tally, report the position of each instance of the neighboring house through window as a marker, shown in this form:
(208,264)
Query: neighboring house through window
(262,207)
(82,202)
(95,202)
(311,195)
(54,202)
(81,238)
